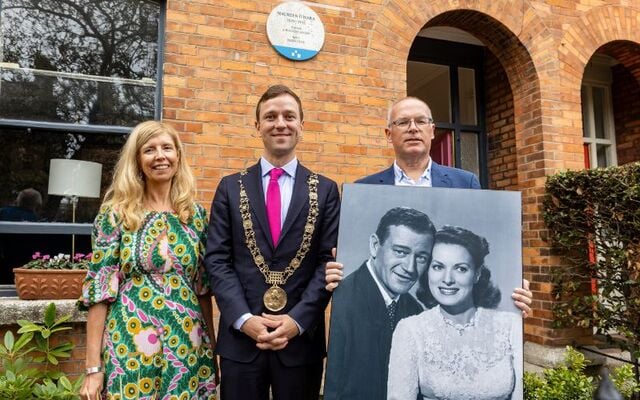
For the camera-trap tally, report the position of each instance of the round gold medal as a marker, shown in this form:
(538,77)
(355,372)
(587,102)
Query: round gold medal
(275,298)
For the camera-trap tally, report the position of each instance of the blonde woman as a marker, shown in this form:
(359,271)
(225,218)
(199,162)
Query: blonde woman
(149,326)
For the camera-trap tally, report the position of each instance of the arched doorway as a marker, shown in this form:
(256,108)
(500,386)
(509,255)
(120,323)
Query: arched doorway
(610,100)
(458,64)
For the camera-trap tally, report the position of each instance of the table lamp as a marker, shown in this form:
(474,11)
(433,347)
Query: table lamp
(74,179)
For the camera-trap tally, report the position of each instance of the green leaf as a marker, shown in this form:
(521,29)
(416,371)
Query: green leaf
(52,359)
(29,328)
(62,319)
(8,340)
(23,340)
(50,315)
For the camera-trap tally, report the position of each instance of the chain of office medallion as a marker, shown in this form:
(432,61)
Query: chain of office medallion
(277,277)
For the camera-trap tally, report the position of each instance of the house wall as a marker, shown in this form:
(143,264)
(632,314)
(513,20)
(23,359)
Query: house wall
(218,61)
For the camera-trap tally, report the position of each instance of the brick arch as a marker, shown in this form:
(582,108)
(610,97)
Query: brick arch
(626,52)
(399,22)
(495,24)
(518,41)
(593,31)
(625,95)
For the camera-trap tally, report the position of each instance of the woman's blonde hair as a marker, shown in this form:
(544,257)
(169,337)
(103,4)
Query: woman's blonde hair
(125,195)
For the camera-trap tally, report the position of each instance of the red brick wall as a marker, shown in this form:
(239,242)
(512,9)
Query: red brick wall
(218,61)
(501,134)
(73,366)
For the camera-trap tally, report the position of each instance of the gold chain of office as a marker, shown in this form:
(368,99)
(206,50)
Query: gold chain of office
(275,298)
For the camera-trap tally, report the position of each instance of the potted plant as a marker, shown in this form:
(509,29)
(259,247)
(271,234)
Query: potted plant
(57,277)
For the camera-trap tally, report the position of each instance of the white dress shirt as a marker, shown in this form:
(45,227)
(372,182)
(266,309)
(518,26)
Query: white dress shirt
(401,179)
(285,181)
(385,295)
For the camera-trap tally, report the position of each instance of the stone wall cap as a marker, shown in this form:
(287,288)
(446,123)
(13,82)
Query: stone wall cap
(13,309)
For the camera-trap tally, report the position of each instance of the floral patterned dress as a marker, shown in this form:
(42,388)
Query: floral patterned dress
(155,341)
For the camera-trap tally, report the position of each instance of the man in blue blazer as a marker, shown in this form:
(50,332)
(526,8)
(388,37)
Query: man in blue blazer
(271,231)
(410,130)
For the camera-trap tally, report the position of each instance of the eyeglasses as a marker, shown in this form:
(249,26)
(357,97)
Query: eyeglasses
(406,122)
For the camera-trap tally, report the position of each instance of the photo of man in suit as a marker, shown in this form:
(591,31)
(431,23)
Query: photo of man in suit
(371,302)
(271,231)
(410,130)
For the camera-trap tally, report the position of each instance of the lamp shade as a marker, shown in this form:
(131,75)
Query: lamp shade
(74,178)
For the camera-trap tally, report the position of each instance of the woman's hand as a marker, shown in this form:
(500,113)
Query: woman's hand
(92,386)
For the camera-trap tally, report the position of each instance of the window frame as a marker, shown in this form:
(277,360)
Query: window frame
(87,128)
(456,55)
(63,228)
(588,116)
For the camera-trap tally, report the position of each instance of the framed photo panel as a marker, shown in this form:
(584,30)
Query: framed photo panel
(425,308)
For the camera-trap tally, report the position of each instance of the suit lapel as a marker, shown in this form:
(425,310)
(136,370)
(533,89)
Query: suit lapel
(253,186)
(439,177)
(376,308)
(387,177)
(299,198)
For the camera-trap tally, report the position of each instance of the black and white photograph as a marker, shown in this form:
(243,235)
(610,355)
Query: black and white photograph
(425,308)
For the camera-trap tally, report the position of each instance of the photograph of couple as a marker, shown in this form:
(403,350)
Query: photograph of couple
(424,310)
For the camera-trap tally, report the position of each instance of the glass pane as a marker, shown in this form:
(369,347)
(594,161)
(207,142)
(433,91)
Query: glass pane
(584,96)
(442,148)
(79,61)
(26,165)
(598,111)
(603,155)
(467,93)
(469,156)
(430,82)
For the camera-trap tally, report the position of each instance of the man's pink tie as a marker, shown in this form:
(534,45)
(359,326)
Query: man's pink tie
(274,207)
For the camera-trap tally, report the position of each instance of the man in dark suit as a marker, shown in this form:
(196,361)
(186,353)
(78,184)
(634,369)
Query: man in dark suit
(410,130)
(376,296)
(271,231)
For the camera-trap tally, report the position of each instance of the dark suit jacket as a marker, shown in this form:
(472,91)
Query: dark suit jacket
(238,285)
(360,341)
(441,176)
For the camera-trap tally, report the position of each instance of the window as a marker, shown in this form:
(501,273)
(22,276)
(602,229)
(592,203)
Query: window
(79,62)
(75,76)
(448,77)
(597,126)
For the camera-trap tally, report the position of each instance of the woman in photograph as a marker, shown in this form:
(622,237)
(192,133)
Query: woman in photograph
(149,326)
(460,347)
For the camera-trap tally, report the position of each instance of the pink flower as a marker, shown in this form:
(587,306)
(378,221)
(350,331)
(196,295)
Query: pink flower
(46,257)
(147,341)
(35,255)
(196,334)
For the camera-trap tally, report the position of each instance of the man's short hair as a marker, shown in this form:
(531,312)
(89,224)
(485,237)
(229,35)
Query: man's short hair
(395,103)
(275,91)
(30,199)
(413,219)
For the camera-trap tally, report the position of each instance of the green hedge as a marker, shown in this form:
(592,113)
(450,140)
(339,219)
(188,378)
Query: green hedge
(593,217)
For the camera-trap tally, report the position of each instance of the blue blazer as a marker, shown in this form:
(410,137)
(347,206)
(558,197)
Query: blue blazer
(238,285)
(441,176)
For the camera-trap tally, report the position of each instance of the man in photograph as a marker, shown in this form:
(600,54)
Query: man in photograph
(271,231)
(371,302)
